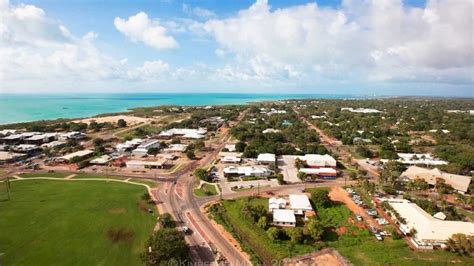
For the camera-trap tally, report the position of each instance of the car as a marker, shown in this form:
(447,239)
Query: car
(378,237)
(359,218)
(186,230)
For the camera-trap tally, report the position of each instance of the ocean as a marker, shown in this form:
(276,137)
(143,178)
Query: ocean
(16,108)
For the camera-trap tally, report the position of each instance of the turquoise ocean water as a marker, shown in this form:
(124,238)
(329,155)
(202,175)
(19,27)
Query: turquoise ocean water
(22,108)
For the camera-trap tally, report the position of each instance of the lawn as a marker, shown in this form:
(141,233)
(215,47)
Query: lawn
(47,222)
(206,190)
(86,175)
(52,174)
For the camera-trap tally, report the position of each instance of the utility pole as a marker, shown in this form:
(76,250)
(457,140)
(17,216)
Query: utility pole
(258,188)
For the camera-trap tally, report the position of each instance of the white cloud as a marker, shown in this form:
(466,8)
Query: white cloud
(139,28)
(371,40)
(198,11)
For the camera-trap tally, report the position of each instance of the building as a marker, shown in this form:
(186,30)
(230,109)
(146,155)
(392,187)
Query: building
(323,172)
(246,171)
(74,135)
(81,154)
(161,163)
(284,217)
(143,148)
(186,133)
(419,158)
(299,203)
(26,148)
(460,183)
(266,158)
(13,139)
(230,147)
(102,160)
(41,138)
(11,157)
(276,203)
(7,132)
(270,130)
(176,148)
(231,159)
(429,231)
(214,120)
(54,144)
(318,161)
(223,154)
(361,110)
(128,145)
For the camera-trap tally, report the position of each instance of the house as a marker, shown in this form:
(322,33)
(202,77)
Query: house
(54,144)
(81,154)
(299,203)
(284,217)
(323,172)
(13,139)
(102,160)
(143,148)
(128,145)
(361,110)
(7,132)
(11,157)
(230,147)
(186,133)
(41,138)
(266,158)
(276,203)
(318,161)
(214,120)
(429,231)
(161,163)
(25,148)
(223,154)
(246,171)
(176,148)
(74,135)
(270,130)
(459,183)
(419,158)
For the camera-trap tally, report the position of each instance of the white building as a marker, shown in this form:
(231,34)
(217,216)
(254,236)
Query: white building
(142,149)
(74,135)
(81,154)
(230,147)
(184,132)
(54,144)
(361,110)
(128,145)
(266,158)
(230,159)
(458,182)
(430,232)
(176,148)
(318,161)
(247,171)
(418,158)
(299,203)
(270,130)
(25,148)
(102,160)
(284,217)
(276,203)
(159,164)
(325,172)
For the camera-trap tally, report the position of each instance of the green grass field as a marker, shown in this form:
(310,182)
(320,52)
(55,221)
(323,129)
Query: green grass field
(49,222)
(86,175)
(205,190)
(53,174)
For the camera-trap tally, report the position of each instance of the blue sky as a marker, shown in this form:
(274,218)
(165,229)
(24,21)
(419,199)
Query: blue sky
(351,46)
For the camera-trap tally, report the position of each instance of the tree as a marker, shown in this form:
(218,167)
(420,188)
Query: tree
(199,145)
(273,233)
(167,221)
(298,163)
(315,229)
(364,151)
(201,174)
(165,247)
(98,142)
(190,154)
(321,198)
(262,222)
(302,176)
(121,123)
(175,140)
(461,244)
(295,234)
(240,146)
(153,151)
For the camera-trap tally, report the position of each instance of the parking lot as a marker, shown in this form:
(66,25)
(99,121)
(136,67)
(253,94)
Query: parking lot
(287,165)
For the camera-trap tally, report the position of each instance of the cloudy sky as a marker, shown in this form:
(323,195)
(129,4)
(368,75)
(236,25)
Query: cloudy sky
(411,47)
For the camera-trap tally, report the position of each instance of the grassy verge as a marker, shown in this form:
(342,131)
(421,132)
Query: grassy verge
(206,190)
(53,175)
(89,223)
(86,175)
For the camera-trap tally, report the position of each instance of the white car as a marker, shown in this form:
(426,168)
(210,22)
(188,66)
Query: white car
(379,237)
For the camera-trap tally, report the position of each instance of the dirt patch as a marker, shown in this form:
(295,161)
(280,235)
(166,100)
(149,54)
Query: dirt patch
(120,235)
(324,257)
(339,194)
(143,206)
(117,210)
(131,120)
(341,230)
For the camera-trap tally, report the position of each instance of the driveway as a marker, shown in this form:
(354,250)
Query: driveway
(287,165)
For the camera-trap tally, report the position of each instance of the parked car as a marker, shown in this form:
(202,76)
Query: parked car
(378,237)
(359,218)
